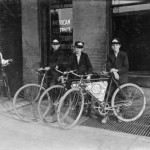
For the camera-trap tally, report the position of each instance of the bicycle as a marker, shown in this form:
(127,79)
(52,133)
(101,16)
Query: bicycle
(48,102)
(25,99)
(4,81)
(128,101)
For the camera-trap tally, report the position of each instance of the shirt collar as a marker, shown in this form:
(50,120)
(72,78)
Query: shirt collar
(78,55)
(116,54)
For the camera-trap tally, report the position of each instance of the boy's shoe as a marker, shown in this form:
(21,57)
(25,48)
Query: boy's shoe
(105,119)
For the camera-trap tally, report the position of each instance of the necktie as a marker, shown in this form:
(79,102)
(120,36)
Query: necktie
(116,54)
(78,58)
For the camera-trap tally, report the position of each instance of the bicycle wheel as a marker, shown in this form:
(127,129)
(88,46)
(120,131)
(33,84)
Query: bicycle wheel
(25,101)
(47,105)
(70,108)
(128,102)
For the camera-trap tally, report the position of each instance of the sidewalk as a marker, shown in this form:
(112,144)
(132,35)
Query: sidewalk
(18,135)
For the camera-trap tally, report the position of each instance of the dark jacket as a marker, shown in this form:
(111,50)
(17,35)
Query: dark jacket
(84,66)
(56,58)
(121,63)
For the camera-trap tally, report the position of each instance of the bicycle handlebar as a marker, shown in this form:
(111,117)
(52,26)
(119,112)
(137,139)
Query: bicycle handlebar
(41,69)
(105,73)
(72,72)
(82,76)
(65,72)
(56,68)
(7,62)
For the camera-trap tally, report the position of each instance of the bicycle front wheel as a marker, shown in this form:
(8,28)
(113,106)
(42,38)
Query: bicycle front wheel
(48,103)
(128,102)
(25,101)
(70,108)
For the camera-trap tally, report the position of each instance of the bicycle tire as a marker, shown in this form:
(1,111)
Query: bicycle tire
(48,103)
(25,102)
(75,106)
(130,104)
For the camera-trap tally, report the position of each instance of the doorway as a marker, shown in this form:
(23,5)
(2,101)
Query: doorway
(55,21)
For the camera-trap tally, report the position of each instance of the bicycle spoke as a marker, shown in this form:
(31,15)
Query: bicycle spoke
(25,102)
(70,109)
(48,103)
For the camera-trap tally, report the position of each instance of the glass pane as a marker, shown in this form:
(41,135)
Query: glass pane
(61,28)
(134,33)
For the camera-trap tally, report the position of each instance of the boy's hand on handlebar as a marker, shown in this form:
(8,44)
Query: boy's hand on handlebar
(47,68)
(71,71)
(56,67)
(39,69)
(114,70)
(65,72)
(104,73)
(89,77)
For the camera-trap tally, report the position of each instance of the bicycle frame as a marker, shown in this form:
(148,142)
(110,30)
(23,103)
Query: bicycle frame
(103,104)
(64,78)
(127,102)
(42,83)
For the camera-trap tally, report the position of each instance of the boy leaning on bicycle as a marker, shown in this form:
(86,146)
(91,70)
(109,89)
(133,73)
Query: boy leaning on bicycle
(118,64)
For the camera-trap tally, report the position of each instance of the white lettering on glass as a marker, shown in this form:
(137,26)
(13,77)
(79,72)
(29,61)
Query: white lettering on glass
(64,22)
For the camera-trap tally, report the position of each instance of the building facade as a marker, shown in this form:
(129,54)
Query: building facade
(96,22)
(28,27)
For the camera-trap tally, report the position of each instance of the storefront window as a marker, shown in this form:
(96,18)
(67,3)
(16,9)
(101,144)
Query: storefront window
(131,25)
(55,21)
(61,28)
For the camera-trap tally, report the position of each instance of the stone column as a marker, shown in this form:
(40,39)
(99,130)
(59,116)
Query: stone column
(90,26)
(30,40)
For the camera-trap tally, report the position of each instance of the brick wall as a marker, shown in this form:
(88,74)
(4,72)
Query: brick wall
(89,26)
(30,40)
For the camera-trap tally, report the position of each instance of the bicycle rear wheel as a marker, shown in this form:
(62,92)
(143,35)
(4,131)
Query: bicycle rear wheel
(70,108)
(128,102)
(6,88)
(25,101)
(48,103)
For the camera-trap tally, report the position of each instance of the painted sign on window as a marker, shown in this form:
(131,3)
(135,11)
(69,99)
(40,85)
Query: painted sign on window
(61,28)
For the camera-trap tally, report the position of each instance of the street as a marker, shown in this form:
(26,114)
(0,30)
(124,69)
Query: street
(18,135)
